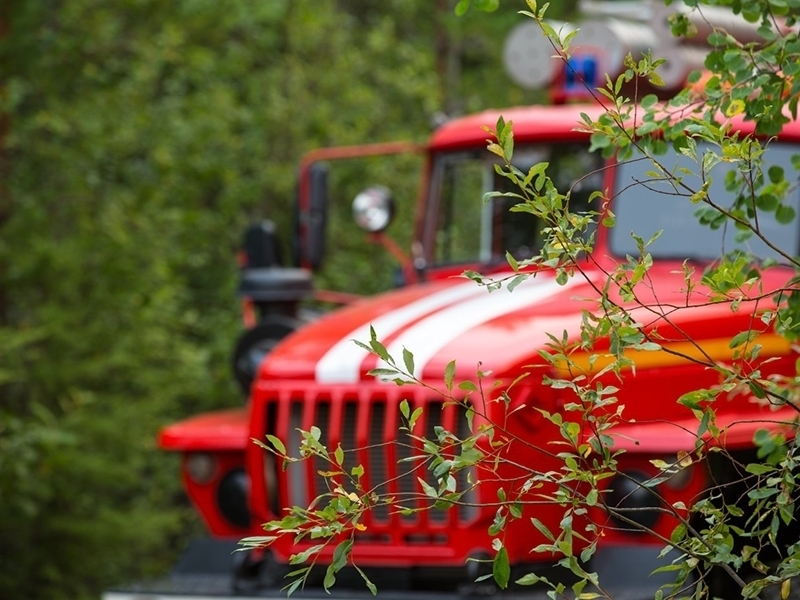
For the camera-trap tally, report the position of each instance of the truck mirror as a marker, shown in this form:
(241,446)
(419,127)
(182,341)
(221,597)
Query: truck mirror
(373,209)
(317,216)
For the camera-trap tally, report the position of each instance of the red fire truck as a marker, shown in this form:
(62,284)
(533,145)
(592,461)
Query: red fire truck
(302,372)
(317,375)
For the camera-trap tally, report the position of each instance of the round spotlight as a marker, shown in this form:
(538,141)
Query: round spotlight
(373,209)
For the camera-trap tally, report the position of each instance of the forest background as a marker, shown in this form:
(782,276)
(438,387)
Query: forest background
(137,140)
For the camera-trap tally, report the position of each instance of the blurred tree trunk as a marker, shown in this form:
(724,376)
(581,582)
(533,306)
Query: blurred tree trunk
(448,56)
(5,165)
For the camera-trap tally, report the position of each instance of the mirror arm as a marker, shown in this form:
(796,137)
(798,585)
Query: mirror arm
(419,263)
(409,272)
(337,153)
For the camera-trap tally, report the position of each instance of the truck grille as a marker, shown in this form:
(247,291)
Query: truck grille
(366,421)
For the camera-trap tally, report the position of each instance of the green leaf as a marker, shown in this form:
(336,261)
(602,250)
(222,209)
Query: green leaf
(369,584)
(528,579)
(543,529)
(408,361)
(742,338)
(277,444)
(776,174)
(501,569)
(338,455)
(341,554)
(648,346)
(378,348)
(429,490)
(330,577)
(384,373)
(649,101)
(498,524)
(515,282)
(757,390)
(759,468)
(412,420)
(761,493)
(692,400)
(767,202)
(678,534)
(487,5)
(784,214)
(404,409)
(301,557)
(449,375)
(290,589)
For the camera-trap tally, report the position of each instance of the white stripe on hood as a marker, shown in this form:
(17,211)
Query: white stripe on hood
(428,336)
(342,362)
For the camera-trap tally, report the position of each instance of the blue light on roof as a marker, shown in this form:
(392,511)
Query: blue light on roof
(581,70)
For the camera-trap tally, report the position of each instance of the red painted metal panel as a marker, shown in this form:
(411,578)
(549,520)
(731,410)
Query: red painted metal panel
(204,495)
(543,124)
(220,430)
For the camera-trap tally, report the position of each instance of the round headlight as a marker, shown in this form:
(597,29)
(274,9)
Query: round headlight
(373,209)
(631,499)
(200,467)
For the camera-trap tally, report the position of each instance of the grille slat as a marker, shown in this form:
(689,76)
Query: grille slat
(367,424)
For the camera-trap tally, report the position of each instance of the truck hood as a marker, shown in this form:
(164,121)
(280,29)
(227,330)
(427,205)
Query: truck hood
(501,331)
(439,321)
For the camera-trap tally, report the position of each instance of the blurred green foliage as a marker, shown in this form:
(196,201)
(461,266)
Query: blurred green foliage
(144,135)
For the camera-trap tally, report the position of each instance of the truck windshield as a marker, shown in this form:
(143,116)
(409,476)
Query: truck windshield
(467,230)
(644,206)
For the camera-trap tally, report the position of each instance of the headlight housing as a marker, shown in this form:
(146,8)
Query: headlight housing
(232,494)
(629,497)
